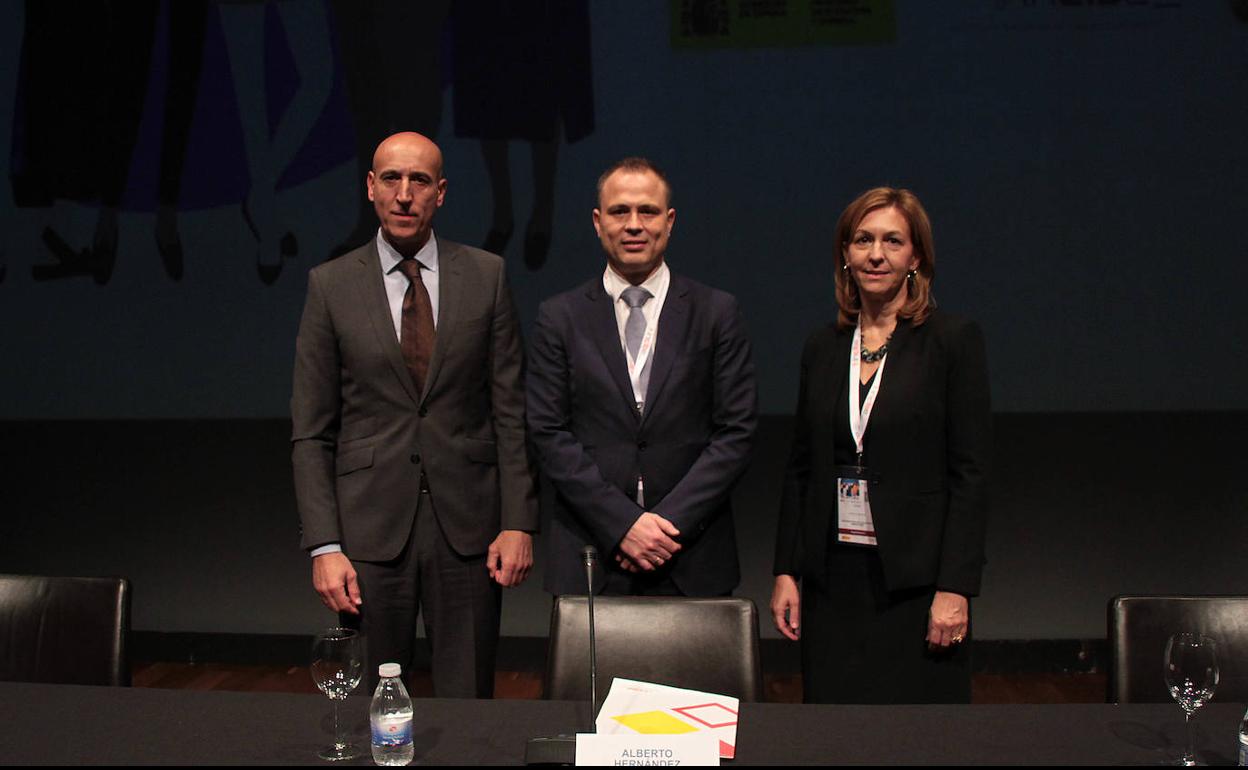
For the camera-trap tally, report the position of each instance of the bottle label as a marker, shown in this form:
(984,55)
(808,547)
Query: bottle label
(1243,750)
(392,730)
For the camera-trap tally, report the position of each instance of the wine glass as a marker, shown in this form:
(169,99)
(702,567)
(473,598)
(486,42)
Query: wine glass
(1192,676)
(337,665)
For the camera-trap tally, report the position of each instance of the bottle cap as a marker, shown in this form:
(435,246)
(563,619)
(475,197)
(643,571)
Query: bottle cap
(389,670)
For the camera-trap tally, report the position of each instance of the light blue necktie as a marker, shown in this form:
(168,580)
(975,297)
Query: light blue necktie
(635,327)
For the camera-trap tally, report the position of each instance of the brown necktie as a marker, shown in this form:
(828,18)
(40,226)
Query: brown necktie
(416,333)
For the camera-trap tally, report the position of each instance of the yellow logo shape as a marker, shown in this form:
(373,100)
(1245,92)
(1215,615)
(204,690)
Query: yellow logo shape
(655,723)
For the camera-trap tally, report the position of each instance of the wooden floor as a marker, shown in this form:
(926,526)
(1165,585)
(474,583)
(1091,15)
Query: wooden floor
(986,688)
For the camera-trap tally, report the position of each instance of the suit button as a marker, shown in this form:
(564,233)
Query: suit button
(415,459)
(424,412)
(641,445)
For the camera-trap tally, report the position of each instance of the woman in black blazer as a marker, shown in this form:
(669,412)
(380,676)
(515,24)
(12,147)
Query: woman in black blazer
(879,592)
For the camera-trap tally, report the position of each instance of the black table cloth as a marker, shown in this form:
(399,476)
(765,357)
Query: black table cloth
(68,724)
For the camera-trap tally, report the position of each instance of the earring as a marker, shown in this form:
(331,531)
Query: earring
(910,276)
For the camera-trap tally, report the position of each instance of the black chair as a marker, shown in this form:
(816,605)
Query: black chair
(699,644)
(1140,625)
(64,630)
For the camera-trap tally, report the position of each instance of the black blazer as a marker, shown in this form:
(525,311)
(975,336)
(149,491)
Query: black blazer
(927,444)
(690,445)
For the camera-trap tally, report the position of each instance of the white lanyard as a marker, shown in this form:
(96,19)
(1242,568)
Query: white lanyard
(635,368)
(858,419)
(638,365)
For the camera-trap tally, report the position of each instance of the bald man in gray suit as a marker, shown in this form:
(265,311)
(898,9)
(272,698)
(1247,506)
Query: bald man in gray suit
(413,483)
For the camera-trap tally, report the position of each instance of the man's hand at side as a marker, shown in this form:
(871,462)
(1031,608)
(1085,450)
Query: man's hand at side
(510,557)
(333,577)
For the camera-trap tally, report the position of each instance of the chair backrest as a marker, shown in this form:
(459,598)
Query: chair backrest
(700,644)
(1139,627)
(64,630)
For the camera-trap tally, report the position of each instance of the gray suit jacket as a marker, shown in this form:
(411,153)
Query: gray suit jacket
(362,434)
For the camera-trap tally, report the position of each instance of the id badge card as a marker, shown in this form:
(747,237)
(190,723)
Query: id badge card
(853,507)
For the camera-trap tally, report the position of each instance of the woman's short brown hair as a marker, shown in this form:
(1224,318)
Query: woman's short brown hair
(920,303)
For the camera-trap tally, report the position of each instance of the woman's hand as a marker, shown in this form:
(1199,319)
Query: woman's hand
(786,606)
(946,621)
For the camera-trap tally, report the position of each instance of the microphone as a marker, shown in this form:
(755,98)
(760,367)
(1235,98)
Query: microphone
(590,555)
(561,749)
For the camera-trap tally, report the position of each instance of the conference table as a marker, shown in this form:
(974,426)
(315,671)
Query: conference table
(71,724)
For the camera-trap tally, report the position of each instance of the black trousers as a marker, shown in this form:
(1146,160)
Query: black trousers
(459,602)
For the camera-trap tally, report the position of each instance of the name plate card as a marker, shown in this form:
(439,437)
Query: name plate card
(700,749)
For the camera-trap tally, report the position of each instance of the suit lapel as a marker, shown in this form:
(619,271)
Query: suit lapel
(673,328)
(840,367)
(600,317)
(373,293)
(895,367)
(450,289)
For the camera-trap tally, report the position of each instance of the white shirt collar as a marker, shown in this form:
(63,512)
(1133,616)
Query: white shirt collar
(390,258)
(656,283)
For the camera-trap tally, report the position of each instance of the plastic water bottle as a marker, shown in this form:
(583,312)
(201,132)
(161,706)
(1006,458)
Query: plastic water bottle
(391,717)
(1243,740)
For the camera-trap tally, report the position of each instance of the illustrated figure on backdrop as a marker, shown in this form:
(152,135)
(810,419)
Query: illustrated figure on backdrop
(12,24)
(391,64)
(893,399)
(522,72)
(271,149)
(112,44)
(642,406)
(187,27)
(411,470)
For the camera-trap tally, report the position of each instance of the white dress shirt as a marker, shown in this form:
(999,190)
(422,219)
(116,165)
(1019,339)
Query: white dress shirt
(615,284)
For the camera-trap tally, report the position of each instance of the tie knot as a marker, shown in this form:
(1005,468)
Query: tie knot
(635,296)
(410,268)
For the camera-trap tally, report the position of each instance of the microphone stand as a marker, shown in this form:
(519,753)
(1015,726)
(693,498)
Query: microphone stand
(561,749)
(591,558)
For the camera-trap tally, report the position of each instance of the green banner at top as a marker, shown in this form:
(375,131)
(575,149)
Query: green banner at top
(781,23)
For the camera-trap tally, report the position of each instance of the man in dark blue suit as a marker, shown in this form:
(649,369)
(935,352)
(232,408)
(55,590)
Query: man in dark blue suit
(642,405)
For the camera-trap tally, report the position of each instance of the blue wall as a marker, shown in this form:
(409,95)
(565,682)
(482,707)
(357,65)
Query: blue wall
(1085,167)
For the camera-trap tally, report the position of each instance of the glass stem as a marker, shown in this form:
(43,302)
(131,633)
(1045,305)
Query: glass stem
(339,743)
(1188,757)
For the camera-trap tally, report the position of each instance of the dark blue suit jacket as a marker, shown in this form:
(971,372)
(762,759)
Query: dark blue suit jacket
(690,445)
